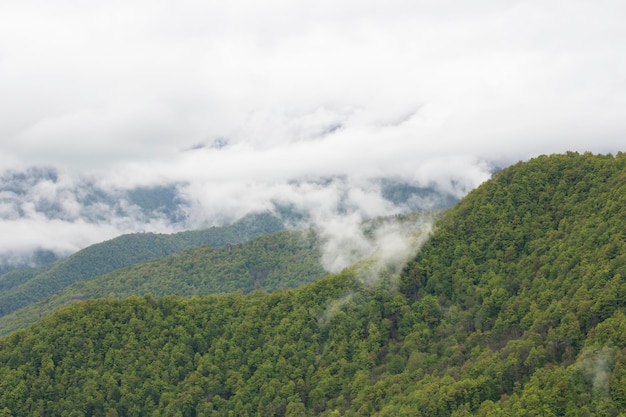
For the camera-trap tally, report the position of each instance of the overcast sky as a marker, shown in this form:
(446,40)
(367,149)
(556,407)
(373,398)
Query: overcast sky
(238,97)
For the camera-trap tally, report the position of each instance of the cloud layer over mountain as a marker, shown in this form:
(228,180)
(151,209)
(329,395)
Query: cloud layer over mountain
(242,105)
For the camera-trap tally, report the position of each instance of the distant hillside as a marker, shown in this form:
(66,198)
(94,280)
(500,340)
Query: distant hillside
(39,196)
(23,287)
(36,259)
(268,262)
(516,306)
(17,277)
(43,194)
(416,198)
(285,259)
(161,201)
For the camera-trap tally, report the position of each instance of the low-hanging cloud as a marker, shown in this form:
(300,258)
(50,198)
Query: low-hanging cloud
(92,86)
(381,247)
(597,366)
(246,106)
(42,209)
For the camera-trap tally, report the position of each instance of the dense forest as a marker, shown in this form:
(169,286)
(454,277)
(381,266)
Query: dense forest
(267,262)
(22,287)
(285,259)
(516,306)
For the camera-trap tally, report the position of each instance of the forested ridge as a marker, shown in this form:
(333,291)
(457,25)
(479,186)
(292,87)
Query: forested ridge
(268,262)
(284,259)
(515,306)
(23,287)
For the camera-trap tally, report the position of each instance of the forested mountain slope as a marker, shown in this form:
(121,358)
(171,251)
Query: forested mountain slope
(529,274)
(22,287)
(284,259)
(18,276)
(268,262)
(515,306)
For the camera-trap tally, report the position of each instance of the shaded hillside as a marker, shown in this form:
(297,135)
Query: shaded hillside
(285,259)
(43,195)
(280,260)
(23,288)
(39,258)
(17,277)
(516,306)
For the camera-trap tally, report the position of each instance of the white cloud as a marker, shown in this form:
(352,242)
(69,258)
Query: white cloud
(122,91)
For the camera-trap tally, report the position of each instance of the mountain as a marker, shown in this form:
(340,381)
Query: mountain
(525,278)
(39,257)
(46,191)
(515,306)
(39,196)
(39,201)
(285,259)
(23,287)
(280,260)
(416,198)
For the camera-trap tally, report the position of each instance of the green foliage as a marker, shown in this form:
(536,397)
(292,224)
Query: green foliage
(281,260)
(527,269)
(516,306)
(24,287)
(146,356)
(268,262)
(17,277)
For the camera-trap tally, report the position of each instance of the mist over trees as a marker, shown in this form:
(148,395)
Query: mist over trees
(51,214)
(236,259)
(516,305)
